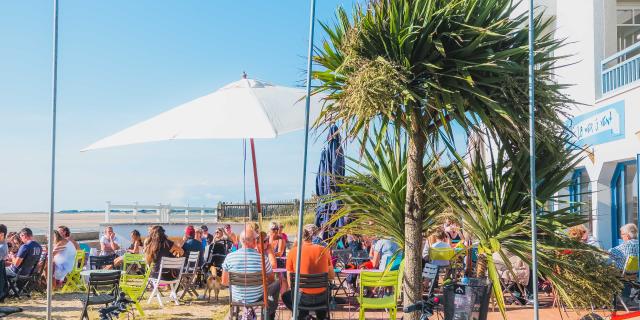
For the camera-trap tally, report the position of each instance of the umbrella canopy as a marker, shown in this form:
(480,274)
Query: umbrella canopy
(246,108)
(331,166)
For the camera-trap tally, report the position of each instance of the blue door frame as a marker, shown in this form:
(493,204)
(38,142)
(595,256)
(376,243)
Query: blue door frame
(575,192)
(619,177)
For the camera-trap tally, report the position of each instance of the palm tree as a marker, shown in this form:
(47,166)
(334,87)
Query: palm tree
(422,65)
(373,192)
(493,204)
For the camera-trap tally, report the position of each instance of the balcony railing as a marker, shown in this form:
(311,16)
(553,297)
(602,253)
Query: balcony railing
(621,69)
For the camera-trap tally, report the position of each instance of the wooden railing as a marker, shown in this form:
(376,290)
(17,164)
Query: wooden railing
(269,209)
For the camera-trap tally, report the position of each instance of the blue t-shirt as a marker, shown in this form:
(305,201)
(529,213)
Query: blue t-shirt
(387,249)
(29,252)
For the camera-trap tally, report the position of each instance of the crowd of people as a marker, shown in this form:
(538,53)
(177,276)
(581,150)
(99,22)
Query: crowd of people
(20,253)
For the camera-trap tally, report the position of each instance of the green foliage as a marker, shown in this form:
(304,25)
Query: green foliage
(585,279)
(491,196)
(374,190)
(422,64)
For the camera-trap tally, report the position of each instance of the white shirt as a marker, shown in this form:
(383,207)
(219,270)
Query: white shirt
(64,260)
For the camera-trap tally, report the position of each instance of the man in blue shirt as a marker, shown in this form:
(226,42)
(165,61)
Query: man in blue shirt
(27,257)
(247,260)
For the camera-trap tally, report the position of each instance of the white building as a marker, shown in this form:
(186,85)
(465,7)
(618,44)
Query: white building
(605,44)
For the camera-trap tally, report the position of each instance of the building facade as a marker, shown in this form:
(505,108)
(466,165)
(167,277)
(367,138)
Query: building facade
(604,44)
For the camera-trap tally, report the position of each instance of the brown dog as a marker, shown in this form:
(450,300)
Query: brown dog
(213,283)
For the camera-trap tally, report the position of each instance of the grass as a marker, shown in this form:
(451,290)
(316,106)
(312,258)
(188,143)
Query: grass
(290,222)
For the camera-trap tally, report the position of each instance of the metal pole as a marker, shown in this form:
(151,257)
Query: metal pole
(532,165)
(54,90)
(296,285)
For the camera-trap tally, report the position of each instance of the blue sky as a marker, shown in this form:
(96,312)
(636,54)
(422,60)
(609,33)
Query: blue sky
(121,62)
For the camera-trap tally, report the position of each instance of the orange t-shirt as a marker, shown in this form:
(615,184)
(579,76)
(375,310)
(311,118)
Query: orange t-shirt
(314,259)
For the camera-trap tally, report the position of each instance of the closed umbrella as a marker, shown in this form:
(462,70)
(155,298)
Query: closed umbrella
(331,167)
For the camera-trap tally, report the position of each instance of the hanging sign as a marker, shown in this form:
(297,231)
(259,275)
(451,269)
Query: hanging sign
(603,125)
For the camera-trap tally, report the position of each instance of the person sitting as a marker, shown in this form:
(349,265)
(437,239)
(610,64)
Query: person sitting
(452,229)
(160,246)
(248,260)
(207,238)
(66,233)
(4,248)
(383,251)
(230,235)
(282,234)
(27,256)
(109,242)
(580,233)
(276,242)
(191,244)
(220,235)
(315,259)
(135,247)
(441,241)
(619,254)
(13,243)
(64,255)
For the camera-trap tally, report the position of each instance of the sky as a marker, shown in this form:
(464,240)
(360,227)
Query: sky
(121,62)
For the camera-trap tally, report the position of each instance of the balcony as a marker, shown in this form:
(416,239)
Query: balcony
(621,69)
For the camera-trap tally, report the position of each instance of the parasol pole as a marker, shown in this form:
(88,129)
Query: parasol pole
(54,96)
(296,285)
(260,238)
(532,165)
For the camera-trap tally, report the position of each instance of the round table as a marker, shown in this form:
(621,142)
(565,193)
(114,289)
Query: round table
(358,271)
(86,273)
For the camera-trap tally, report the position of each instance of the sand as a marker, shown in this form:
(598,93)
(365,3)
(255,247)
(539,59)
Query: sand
(38,221)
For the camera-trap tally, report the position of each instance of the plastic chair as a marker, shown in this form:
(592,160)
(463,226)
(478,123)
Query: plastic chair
(85,247)
(74,282)
(370,279)
(630,266)
(170,266)
(441,256)
(134,285)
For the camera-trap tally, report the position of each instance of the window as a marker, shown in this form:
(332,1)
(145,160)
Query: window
(624,205)
(580,193)
(628,26)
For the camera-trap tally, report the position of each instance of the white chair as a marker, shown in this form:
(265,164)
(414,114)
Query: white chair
(174,267)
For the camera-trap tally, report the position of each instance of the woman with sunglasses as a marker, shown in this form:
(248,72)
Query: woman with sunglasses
(276,241)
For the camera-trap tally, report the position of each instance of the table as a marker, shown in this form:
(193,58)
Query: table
(86,273)
(342,280)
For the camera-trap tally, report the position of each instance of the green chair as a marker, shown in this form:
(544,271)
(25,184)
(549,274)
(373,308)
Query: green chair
(134,285)
(74,281)
(372,279)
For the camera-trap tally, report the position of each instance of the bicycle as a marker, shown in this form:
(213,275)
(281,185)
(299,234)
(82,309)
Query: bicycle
(425,307)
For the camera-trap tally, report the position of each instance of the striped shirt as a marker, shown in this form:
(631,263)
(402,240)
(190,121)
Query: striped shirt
(620,253)
(246,261)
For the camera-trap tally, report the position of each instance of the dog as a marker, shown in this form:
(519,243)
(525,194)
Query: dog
(213,283)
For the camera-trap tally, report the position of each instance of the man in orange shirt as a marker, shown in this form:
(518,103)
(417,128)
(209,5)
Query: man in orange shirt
(315,259)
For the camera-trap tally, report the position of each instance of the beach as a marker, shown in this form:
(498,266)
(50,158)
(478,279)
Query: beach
(38,221)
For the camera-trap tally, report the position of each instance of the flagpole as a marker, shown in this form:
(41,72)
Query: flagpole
(296,285)
(532,165)
(54,89)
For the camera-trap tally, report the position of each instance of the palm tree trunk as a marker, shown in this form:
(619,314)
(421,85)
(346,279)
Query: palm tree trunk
(481,269)
(412,285)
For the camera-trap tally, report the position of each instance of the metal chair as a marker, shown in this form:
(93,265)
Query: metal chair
(73,280)
(100,262)
(102,289)
(253,279)
(315,281)
(189,275)
(23,282)
(169,274)
(430,277)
